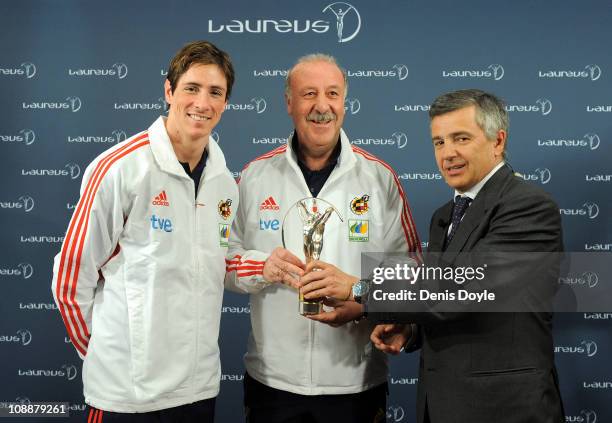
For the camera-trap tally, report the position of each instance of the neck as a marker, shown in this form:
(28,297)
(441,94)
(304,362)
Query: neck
(315,160)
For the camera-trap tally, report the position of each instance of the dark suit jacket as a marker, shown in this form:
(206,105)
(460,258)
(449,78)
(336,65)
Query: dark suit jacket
(493,367)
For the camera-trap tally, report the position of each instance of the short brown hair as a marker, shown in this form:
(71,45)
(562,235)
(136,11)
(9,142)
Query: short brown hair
(203,53)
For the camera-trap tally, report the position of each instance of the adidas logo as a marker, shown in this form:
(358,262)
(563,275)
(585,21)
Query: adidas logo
(161,199)
(269,204)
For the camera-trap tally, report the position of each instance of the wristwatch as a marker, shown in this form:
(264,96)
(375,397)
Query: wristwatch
(360,290)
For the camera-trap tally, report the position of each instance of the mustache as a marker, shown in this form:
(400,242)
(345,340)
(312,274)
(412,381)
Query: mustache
(321,117)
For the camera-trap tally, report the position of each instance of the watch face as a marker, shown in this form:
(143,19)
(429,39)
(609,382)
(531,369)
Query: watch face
(360,288)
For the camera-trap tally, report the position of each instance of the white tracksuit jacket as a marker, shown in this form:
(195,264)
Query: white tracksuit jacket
(139,279)
(285,350)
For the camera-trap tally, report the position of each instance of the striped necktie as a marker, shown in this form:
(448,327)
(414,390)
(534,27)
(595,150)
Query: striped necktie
(461,205)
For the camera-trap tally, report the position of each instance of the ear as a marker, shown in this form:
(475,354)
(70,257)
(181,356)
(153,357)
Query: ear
(500,142)
(288,102)
(168,92)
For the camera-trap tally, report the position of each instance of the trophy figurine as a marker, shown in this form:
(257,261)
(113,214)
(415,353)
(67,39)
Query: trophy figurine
(313,227)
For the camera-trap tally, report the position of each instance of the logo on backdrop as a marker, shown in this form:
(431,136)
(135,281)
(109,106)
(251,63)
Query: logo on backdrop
(395,413)
(26,136)
(352,105)
(585,416)
(398,139)
(541,175)
(160,104)
(590,279)
(340,11)
(542,105)
(398,71)
(27,69)
(25,270)
(270,140)
(588,140)
(119,70)
(420,176)
(592,72)
(72,104)
(115,137)
(411,107)
(266,73)
(588,348)
(22,337)
(589,209)
(71,169)
(345,24)
(494,71)
(257,104)
(598,178)
(65,371)
(25,202)
(599,108)
(597,385)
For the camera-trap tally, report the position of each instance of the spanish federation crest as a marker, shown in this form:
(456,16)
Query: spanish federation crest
(359,205)
(225,209)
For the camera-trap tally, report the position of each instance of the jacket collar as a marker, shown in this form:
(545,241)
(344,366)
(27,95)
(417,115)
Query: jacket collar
(165,157)
(346,160)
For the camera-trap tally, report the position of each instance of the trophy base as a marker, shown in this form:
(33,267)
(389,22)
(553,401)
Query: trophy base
(307,308)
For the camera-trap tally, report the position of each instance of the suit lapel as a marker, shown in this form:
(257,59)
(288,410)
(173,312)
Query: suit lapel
(439,226)
(475,213)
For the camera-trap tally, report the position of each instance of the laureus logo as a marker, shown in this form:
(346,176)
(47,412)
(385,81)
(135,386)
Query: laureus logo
(395,413)
(119,135)
(75,103)
(343,12)
(545,106)
(260,104)
(593,140)
(27,201)
(28,136)
(497,70)
(590,278)
(74,170)
(121,70)
(402,71)
(592,209)
(25,336)
(29,69)
(70,371)
(541,175)
(26,270)
(590,348)
(352,105)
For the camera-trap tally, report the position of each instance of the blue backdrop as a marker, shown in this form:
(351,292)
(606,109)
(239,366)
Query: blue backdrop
(78,77)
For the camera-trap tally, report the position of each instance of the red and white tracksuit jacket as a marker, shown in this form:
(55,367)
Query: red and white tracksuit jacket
(139,279)
(285,350)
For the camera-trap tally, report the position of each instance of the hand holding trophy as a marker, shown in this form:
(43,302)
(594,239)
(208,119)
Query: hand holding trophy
(313,228)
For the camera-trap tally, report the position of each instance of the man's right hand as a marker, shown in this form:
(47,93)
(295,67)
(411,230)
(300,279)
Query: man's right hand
(282,266)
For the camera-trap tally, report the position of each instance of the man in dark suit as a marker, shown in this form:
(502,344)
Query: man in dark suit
(490,366)
(495,365)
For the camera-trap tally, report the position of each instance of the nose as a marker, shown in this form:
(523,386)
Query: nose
(321,104)
(202,101)
(447,151)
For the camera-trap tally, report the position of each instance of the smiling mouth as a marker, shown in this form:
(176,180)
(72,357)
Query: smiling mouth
(454,169)
(197,117)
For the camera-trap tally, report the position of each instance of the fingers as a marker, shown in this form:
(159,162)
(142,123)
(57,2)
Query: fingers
(316,264)
(284,267)
(388,338)
(290,258)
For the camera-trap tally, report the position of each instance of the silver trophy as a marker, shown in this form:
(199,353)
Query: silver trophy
(313,227)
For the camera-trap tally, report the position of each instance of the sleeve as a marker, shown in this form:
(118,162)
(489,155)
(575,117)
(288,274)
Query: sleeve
(89,243)
(243,266)
(400,234)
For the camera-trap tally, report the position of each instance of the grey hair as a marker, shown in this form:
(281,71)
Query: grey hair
(491,114)
(315,57)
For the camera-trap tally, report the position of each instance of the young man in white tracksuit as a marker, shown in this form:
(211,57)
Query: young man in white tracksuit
(299,370)
(139,279)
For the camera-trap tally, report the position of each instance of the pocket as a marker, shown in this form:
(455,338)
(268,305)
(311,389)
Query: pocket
(501,372)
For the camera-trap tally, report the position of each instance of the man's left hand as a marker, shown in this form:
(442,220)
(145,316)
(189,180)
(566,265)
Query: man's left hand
(343,312)
(326,280)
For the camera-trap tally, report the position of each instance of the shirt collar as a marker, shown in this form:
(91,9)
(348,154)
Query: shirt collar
(473,192)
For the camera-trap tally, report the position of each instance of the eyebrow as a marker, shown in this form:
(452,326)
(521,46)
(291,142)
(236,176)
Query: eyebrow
(197,84)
